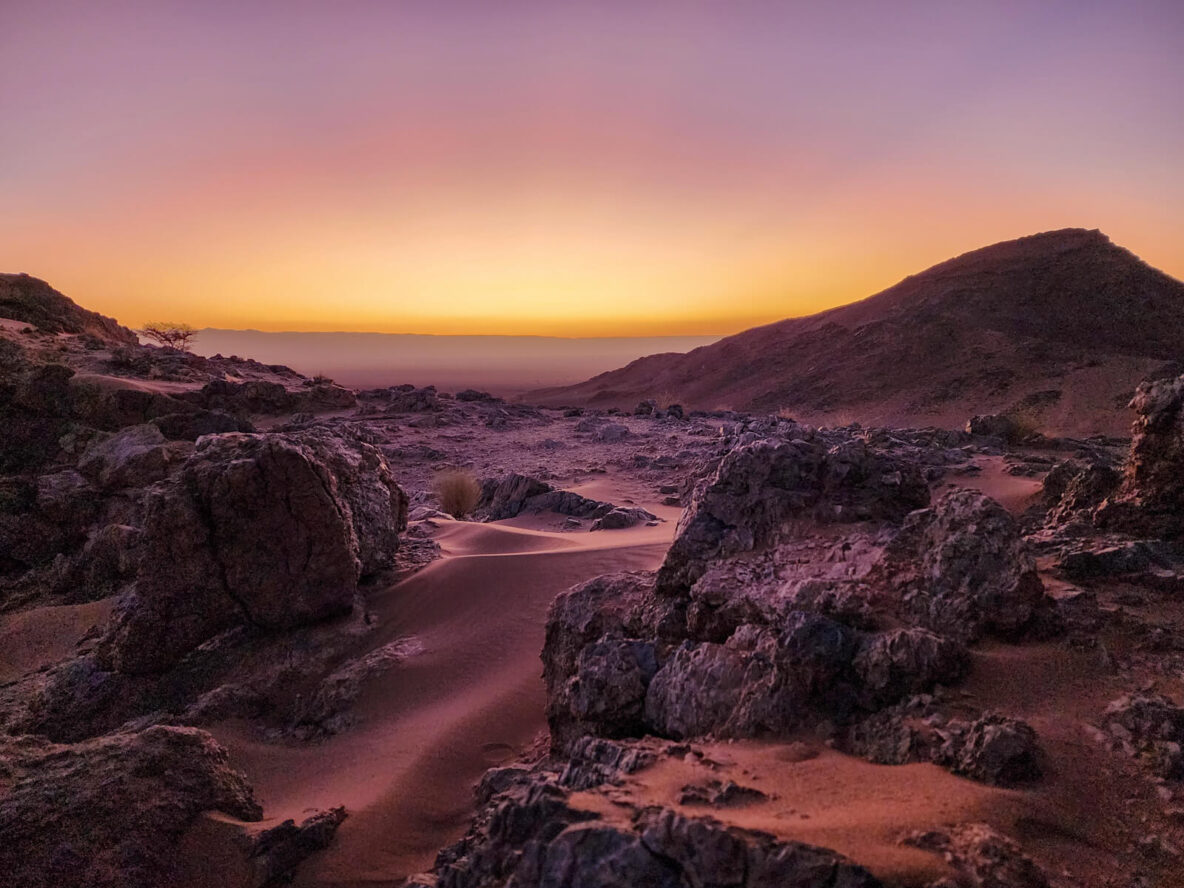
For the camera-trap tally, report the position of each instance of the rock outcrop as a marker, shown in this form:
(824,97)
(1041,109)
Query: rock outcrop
(533,834)
(806,587)
(760,488)
(963,569)
(107,813)
(1150,501)
(268,531)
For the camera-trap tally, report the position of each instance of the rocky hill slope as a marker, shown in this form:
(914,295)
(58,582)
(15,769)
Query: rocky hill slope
(1058,327)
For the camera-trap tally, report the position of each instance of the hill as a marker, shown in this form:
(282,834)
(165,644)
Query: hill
(1059,327)
(32,301)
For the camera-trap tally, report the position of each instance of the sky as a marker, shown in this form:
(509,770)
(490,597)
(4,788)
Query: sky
(567,168)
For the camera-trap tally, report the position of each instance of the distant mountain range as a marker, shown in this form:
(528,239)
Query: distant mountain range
(499,364)
(1059,326)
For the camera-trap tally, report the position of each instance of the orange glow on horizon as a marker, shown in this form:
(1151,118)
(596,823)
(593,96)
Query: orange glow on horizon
(573,170)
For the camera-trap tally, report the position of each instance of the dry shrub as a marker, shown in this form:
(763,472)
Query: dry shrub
(458,492)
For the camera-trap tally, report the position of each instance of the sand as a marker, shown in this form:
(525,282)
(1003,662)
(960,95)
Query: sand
(428,729)
(42,636)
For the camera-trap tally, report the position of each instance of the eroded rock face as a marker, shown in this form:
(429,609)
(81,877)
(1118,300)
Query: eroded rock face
(531,834)
(982,856)
(133,457)
(760,488)
(1151,499)
(270,531)
(107,813)
(962,569)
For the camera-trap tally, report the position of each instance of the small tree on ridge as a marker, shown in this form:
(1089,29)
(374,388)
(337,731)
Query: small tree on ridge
(170,334)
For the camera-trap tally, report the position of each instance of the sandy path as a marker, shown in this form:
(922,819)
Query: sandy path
(432,725)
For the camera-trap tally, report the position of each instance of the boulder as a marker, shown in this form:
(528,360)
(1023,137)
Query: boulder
(506,497)
(761,487)
(277,852)
(994,425)
(963,569)
(109,812)
(621,517)
(268,531)
(612,433)
(994,749)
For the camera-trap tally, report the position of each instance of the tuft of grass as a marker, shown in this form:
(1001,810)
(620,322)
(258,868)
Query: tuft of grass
(458,492)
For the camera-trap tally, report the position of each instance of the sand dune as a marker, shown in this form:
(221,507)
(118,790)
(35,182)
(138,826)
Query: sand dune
(471,698)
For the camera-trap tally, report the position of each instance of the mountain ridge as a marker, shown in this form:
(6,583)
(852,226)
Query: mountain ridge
(1027,324)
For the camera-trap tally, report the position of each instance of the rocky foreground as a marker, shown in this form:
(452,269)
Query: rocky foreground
(848,610)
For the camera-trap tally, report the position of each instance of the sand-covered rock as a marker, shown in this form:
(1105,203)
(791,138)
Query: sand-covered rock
(107,813)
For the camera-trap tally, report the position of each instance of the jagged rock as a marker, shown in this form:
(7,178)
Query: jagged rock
(994,749)
(593,761)
(615,617)
(993,425)
(621,517)
(191,426)
(902,662)
(1132,557)
(408,399)
(532,836)
(983,856)
(963,569)
(115,404)
(612,433)
(759,488)
(1151,499)
(277,852)
(719,794)
(269,531)
(133,457)
(1148,716)
(506,497)
(107,813)
(1073,488)
(1150,725)
(645,408)
(269,397)
(474,395)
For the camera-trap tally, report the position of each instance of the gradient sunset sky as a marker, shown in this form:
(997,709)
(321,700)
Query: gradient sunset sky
(609,168)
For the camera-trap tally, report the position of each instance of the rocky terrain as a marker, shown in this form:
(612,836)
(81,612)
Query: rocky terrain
(241,644)
(1024,327)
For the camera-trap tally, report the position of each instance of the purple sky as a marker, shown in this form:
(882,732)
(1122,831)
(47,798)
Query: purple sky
(567,167)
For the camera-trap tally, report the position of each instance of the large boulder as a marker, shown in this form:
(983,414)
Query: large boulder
(761,488)
(963,569)
(268,531)
(109,812)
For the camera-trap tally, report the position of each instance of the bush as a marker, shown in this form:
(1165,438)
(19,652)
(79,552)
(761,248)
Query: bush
(458,492)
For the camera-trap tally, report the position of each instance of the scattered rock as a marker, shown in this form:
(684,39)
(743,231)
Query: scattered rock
(108,813)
